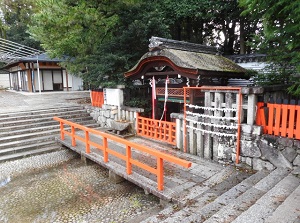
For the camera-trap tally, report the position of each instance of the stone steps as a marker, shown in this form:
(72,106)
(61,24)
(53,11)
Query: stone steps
(203,193)
(268,203)
(30,132)
(20,155)
(39,111)
(290,207)
(7,129)
(262,197)
(23,148)
(33,132)
(42,119)
(229,212)
(41,115)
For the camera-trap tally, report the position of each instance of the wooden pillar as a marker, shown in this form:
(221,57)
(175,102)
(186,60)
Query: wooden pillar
(29,83)
(67,80)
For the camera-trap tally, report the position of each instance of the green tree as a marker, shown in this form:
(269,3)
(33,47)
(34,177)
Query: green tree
(101,39)
(16,16)
(280,38)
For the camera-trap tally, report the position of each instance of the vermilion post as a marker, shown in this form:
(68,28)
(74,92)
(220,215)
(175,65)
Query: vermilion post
(292,120)
(297,129)
(62,134)
(128,157)
(73,136)
(87,144)
(160,173)
(284,120)
(105,153)
(184,122)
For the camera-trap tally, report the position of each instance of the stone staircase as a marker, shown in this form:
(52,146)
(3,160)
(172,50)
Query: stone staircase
(266,196)
(32,132)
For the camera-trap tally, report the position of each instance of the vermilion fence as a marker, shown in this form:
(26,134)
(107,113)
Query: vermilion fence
(129,147)
(156,129)
(97,98)
(279,119)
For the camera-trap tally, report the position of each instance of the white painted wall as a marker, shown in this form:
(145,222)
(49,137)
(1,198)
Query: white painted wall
(77,83)
(113,96)
(4,81)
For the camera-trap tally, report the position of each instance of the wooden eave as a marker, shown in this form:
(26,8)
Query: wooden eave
(143,67)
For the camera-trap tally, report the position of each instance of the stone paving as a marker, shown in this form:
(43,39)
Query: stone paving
(58,187)
(11,101)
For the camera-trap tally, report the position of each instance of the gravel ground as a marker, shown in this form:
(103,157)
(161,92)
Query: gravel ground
(58,187)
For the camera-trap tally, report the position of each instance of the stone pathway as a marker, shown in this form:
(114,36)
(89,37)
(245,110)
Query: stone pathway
(11,101)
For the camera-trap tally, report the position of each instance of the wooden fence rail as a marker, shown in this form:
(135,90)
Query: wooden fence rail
(156,129)
(129,146)
(279,119)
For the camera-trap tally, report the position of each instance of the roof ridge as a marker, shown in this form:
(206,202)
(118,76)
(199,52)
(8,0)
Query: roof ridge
(158,43)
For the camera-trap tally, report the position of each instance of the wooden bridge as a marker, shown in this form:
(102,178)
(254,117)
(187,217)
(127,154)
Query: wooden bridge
(200,190)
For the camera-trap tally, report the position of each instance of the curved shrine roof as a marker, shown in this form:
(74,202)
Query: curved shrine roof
(190,62)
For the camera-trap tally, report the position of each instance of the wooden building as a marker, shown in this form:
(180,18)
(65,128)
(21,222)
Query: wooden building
(40,73)
(184,64)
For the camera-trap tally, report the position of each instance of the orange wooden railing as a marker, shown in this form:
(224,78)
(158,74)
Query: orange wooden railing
(129,146)
(97,98)
(282,119)
(156,129)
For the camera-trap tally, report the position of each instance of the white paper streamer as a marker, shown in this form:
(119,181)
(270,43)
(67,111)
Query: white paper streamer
(213,125)
(211,116)
(214,133)
(212,109)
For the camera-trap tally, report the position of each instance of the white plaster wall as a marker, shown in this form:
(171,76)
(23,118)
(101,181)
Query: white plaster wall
(4,81)
(77,83)
(113,97)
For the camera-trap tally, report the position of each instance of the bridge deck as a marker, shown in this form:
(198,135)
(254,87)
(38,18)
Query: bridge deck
(178,181)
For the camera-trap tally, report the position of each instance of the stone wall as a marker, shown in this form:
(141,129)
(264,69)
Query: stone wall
(267,151)
(256,149)
(105,115)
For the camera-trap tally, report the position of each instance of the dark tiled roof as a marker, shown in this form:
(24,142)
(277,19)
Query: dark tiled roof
(42,57)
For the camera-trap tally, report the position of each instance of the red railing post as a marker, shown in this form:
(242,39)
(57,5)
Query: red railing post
(137,123)
(62,134)
(73,136)
(297,128)
(160,173)
(277,120)
(128,157)
(292,121)
(87,144)
(284,120)
(105,153)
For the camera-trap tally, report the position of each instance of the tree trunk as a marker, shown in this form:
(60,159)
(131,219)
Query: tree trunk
(242,37)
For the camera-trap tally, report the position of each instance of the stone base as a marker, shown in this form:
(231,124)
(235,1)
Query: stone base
(85,160)
(164,203)
(115,178)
